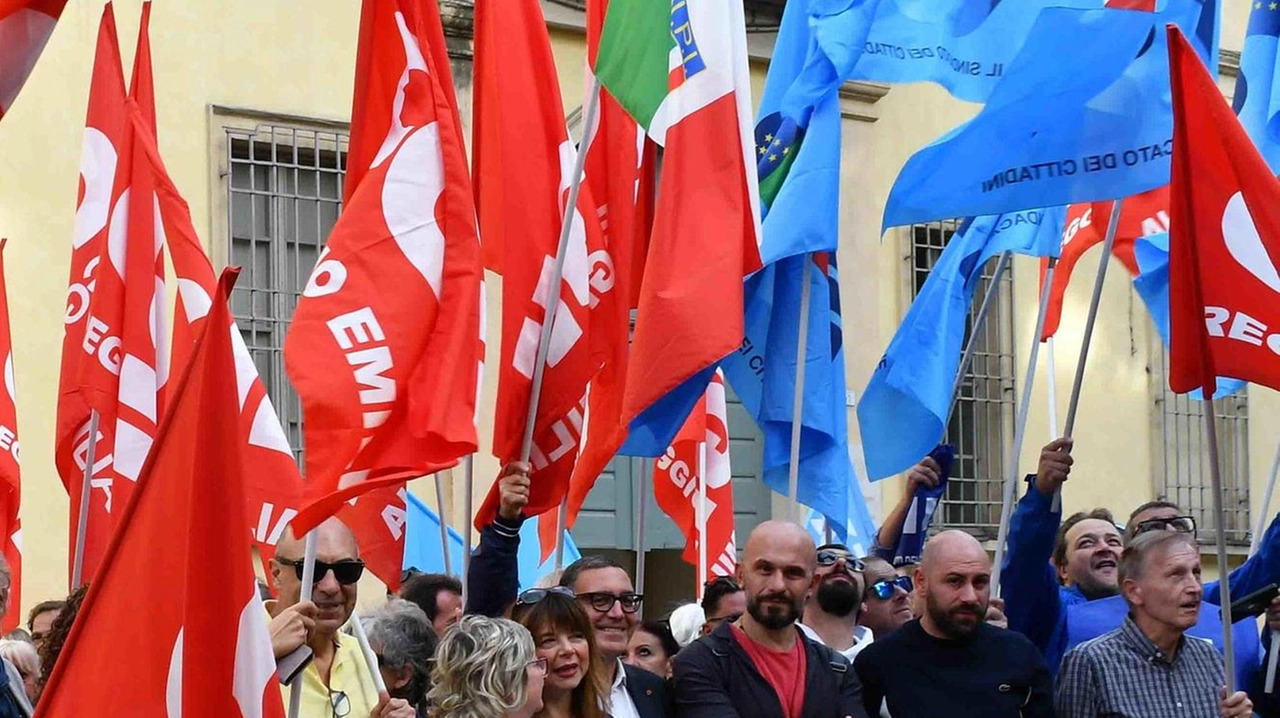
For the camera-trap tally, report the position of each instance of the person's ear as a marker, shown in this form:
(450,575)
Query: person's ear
(401,678)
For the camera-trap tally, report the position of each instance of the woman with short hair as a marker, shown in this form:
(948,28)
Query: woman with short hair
(486,668)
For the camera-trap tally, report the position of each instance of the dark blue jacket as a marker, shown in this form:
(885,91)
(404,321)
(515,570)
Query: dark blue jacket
(493,580)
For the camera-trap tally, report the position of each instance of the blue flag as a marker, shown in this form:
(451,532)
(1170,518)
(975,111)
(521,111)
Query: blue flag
(963,45)
(1256,100)
(915,529)
(1084,113)
(1152,284)
(903,411)
(422,545)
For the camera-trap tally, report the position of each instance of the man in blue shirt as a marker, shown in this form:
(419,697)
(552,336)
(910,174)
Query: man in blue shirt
(1059,579)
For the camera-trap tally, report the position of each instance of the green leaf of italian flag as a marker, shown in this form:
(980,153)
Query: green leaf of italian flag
(634,57)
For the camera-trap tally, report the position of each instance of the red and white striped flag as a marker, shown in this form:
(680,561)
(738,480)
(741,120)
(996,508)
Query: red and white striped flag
(10,465)
(25,27)
(382,349)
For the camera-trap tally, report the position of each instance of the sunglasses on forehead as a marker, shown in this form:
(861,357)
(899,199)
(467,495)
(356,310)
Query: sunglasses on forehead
(829,557)
(1181,524)
(885,588)
(345,572)
(535,595)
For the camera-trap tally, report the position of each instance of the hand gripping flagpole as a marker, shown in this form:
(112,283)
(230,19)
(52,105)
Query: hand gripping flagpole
(970,347)
(469,510)
(553,289)
(1020,429)
(86,489)
(797,410)
(1112,226)
(308,583)
(444,526)
(1215,473)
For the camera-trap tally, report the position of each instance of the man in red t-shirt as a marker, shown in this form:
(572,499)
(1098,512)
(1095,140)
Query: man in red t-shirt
(762,665)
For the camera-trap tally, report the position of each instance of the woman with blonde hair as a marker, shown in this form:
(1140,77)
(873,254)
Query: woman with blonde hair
(564,637)
(486,668)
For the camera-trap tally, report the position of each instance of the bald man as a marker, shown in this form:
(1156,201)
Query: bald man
(762,664)
(950,661)
(338,682)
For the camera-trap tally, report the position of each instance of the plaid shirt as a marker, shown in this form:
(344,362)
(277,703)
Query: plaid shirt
(1123,674)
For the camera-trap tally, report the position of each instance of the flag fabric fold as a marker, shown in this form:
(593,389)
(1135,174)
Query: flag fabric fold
(25,28)
(903,411)
(203,648)
(383,344)
(1255,99)
(10,464)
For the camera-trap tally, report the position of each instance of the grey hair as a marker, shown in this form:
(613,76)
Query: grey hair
(21,654)
(402,632)
(480,669)
(1133,560)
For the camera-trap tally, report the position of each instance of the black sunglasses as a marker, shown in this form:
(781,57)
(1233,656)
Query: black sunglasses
(829,557)
(603,602)
(1181,524)
(535,595)
(347,571)
(884,589)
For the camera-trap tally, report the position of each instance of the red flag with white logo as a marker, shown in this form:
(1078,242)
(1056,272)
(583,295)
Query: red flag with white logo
(383,345)
(677,481)
(25,27)
(523,166)
(1224,240)
(203,648)
(10,470)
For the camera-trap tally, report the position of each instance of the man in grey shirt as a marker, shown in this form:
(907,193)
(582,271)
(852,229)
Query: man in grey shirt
(1148,668)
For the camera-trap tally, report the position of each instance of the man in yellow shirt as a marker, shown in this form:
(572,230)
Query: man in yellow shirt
(338,682)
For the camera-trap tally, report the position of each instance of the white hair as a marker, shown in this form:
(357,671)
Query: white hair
(686,623)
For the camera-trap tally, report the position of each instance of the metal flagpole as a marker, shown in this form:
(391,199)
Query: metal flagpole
(970,347)
(469,510)
(556,279)
(1223,573)
(370,658)
(1074,403)
(86,489)
(562,517)
(797,411)
(1020,428)
(1274,656)
(444,524)
(308,582)
(640,513)
(1052,371)
(704,571)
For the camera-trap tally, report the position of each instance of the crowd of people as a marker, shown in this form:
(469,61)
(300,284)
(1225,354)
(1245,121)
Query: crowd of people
(1097,619)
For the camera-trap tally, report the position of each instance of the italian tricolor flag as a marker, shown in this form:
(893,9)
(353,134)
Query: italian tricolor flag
(679,67)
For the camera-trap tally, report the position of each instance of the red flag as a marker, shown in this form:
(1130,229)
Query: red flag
(85,346)
(1224,240)
(203,648)
(676,481)
(523,166)
(25,27)
(383,346)
(10,472)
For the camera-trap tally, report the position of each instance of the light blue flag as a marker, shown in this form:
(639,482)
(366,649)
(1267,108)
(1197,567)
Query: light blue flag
(903,411)
(1256,100)
(422,546)
(963,45)
(1152,284)
(1083,114)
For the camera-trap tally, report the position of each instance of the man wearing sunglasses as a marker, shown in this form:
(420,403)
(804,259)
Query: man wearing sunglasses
(722,600)
(337,682)
(831,611)
(886,602)
(1060,580)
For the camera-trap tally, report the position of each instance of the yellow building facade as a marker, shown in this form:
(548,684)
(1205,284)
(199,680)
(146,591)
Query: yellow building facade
(235,77)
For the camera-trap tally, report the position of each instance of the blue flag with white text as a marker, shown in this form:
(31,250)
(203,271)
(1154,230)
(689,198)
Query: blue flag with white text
(915,526)
(903,411)
(1083,114)
(1256,100)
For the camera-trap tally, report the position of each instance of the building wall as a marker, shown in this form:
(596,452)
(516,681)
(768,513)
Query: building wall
(270,56)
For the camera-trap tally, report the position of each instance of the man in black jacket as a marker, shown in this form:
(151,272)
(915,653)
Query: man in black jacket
(762,665)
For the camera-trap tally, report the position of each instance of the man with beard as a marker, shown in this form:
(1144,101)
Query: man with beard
(762,664)
(950,661)
(831,612)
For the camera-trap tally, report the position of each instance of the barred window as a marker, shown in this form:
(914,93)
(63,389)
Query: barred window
(284,194)
(1184,476)
(982,423)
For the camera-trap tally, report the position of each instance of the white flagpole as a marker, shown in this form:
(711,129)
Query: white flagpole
(370,658)
(1020,428)
(641,510)
(86,489)
(444,524)
(1108,242)
(704,572)
(1052,371)
(970,347)
(1223,568)
(308,583)
(797,411)
(562,517)
(556,279)
(469,509)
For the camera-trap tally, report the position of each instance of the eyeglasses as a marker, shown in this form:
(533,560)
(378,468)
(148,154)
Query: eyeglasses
(411,572)
(347,571)
(721,619)
(540,664)
(535,595)
(1181,524)
(829,557)
(603,602)
(340,703)
(885,588)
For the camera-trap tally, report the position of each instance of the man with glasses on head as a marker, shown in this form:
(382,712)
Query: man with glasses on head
(1060,580)
(337,683)
(831,611)
(722,600)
